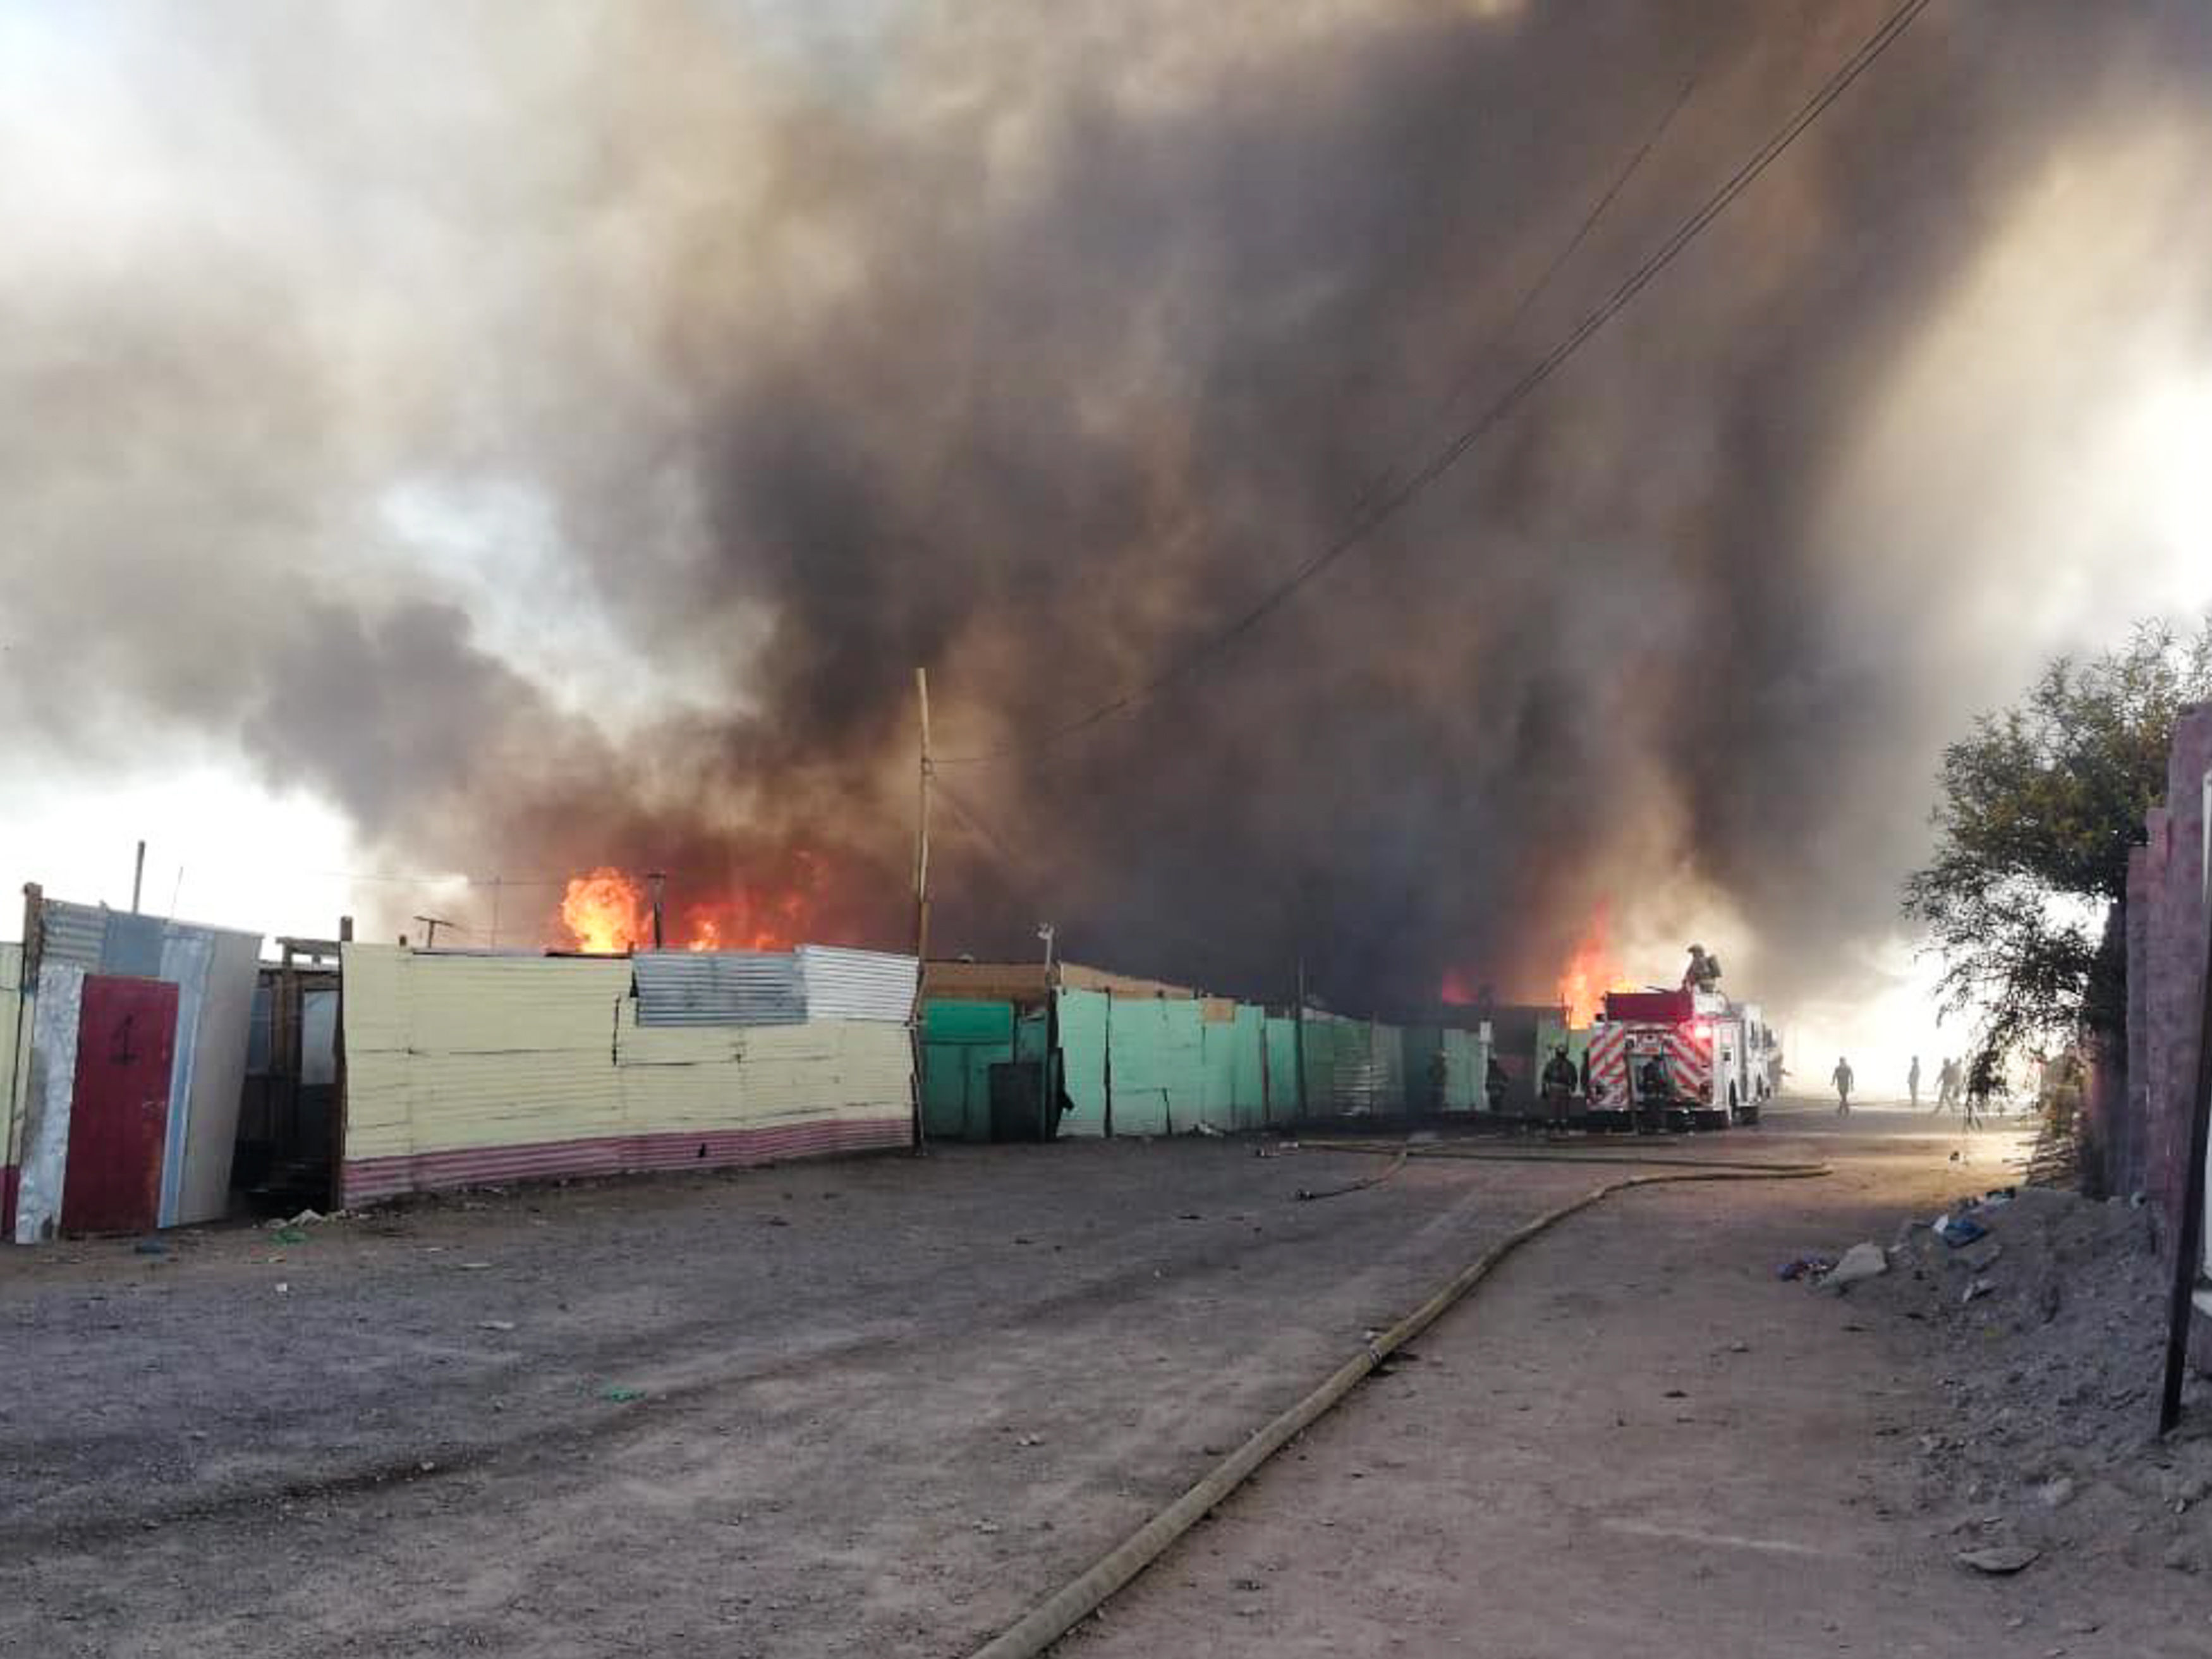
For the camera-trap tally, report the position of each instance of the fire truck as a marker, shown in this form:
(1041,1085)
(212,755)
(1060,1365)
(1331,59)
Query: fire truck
(1677,1060)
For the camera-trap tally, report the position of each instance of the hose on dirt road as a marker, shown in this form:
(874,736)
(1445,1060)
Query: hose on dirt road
(1568,1152)
(1077,1599)
(1404,1150)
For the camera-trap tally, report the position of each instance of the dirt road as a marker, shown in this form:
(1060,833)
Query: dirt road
(881,1407)
(1636,1441)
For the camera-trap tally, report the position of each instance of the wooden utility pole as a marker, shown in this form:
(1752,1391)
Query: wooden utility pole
(658,879)
(920,901)
(433,923)
(921,827)
(138,877)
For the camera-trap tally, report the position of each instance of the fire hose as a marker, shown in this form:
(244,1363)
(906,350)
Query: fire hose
(1081,1596)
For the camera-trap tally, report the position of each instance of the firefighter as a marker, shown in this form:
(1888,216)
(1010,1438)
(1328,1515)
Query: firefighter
(1843,1078)
(1703,973)
(1558,1089)
(1495,1083)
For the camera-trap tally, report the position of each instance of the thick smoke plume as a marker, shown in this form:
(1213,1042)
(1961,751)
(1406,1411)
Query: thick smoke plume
(557,434)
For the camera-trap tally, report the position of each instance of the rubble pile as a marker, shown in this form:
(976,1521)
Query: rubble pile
(2050,1311)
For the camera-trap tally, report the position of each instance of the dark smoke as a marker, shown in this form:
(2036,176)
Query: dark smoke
(1032,347)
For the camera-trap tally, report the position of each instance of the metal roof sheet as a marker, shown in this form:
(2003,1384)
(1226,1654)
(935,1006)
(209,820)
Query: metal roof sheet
(720,987)
(841,984)
(74,934)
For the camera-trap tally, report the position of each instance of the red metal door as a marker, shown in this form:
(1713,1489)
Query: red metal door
(126,1037)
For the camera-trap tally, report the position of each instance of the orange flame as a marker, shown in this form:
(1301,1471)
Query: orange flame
(609,912)
(605,913)
(1590,972)
(1456,991)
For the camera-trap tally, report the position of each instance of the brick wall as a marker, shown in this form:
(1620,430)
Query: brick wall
(2146,1148)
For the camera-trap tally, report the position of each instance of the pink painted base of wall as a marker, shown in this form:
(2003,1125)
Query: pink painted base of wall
(366,1181)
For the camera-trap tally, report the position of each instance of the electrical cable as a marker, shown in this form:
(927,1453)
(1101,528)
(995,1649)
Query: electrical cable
(1399,496)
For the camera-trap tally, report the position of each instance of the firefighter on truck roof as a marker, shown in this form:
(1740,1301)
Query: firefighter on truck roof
(1703,973)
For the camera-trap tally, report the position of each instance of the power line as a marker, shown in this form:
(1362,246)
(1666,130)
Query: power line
(1511,328)
(1396,499)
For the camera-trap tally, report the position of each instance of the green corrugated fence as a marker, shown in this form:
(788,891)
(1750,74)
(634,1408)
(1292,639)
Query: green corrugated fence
(960,1043)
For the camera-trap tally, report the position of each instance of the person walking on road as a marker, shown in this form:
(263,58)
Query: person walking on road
(1842,1078)
(1912,1083)
(1947,1085)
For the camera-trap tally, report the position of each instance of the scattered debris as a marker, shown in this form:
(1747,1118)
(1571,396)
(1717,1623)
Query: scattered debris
(1861,1261)
(283,1287)
(2000,1560)
(1800,1266)
(617,1393)
(496,1324)
(288,1236)
(149,1246)
(1958,1230)
(2043,1419)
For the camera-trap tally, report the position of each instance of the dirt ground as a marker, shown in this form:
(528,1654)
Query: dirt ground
(882,1407)
(1637,1440)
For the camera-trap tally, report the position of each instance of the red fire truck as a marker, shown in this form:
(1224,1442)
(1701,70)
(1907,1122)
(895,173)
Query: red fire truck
(1677,1060)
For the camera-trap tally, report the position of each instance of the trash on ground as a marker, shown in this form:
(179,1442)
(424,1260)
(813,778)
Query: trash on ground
(1861,1261)
(288,1236)
(1976,1289)
(149,1246)
(496,1324)
(1798,1267)
(617,1393)
(1957,1230)
(2000,1560)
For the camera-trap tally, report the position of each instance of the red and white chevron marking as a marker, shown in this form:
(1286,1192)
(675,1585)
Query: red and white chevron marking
(1689,1060)
(1608,1067)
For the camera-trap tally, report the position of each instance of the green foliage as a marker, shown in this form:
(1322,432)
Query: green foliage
(2039,807)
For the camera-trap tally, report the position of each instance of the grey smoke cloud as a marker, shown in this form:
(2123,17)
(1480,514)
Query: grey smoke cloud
(1030,344)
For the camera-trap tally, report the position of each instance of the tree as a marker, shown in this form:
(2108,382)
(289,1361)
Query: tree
(2037,808)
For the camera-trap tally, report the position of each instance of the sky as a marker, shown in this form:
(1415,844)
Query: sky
(441,449)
